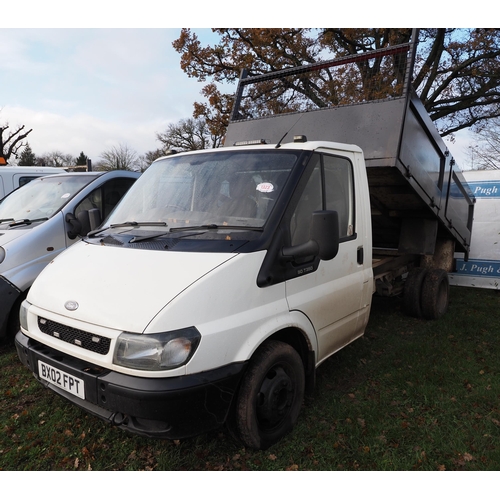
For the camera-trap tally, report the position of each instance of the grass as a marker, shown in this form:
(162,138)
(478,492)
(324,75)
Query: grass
(409,395)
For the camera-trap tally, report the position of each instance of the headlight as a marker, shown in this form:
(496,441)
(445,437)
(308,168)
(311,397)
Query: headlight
(2,254)
(23,314)
(158,351)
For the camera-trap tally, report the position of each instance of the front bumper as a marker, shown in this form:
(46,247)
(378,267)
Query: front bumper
(172,408)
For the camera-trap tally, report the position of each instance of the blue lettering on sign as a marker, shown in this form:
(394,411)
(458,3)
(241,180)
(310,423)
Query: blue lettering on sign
(485,189)
(479,267)
(479,189)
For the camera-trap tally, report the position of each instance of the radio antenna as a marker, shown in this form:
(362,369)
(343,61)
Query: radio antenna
(286,133)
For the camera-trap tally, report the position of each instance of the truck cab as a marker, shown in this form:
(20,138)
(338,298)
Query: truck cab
(220,273)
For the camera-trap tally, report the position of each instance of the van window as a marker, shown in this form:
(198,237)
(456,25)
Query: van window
(41,198)
(105,197)
(25,179)
(310,201)
(237,188)
(339,191)
(330,187)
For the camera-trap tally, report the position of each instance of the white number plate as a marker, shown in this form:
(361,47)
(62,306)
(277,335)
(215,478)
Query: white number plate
(62,379)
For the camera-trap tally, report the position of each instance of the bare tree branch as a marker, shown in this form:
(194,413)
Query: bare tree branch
(12,143)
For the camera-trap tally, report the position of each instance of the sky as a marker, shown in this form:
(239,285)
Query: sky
(90,78)
(91,89)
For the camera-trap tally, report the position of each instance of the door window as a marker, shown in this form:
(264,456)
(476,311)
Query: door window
(105,197)
(330,187)
(339,191)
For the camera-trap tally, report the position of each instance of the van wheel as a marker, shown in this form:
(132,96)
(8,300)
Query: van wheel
(413,292)
(270,396)
(435,294)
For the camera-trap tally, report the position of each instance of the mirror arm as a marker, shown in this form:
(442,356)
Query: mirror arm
(308,249)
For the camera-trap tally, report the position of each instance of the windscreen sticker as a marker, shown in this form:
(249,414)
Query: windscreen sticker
(65,195)
(265,187)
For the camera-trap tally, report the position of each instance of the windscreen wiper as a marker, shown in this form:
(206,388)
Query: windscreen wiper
(26,222)
(134,224)
(216,226)
(91,234)
(151,236)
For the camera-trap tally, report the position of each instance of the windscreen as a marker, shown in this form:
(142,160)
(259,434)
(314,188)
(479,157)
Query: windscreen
(41,198)
(237,189)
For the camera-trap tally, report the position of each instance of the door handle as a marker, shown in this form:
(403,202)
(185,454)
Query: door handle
(361,255)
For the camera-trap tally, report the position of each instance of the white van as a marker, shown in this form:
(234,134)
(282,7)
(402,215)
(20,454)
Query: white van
(41,219)
(13,177)
(482,269)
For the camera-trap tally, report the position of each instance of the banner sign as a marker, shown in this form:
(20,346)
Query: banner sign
(479,267)
(485,189)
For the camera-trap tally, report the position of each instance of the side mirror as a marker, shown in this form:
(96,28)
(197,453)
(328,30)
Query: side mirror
(86,221)
(325,231)
(324,238)
(74,226)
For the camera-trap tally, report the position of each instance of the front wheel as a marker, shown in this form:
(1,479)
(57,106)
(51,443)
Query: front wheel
(270,396)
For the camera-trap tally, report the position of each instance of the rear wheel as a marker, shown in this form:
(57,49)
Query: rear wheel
(412,304)
(270,396)
(435,294)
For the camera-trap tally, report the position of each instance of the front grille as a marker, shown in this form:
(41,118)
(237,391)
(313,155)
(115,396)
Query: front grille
(85,340)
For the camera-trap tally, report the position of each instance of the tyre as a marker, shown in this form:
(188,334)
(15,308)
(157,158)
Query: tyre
(435,294)
(270,397)
(412,301)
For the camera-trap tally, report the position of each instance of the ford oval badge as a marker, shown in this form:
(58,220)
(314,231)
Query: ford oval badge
(71,305)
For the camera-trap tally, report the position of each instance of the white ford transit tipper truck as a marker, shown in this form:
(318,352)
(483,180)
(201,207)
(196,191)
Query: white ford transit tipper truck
(12,178)
(41,219)
(224,278)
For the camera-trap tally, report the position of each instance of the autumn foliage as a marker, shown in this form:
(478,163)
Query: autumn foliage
(456,73)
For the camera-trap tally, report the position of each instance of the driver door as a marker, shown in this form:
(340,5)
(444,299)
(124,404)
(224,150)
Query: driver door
(331,295)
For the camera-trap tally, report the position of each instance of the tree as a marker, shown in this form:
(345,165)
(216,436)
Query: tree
(189,135)
(149,157)
(457,71)
(485,152)
(119,158)
(11,142)
(56,159)
(27,157)
(81,160)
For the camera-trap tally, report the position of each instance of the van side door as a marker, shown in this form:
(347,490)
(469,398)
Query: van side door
(330,293)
